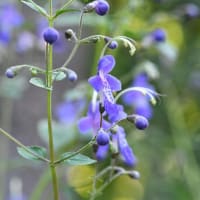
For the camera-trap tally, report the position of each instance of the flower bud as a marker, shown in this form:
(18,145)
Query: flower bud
(113,44)
(102,138)
(10,73)
(69,34)
(140,121)
(134,175)
(159,35)
(90,7)
(102,7)
(50,35)
(34,72)
(72,76)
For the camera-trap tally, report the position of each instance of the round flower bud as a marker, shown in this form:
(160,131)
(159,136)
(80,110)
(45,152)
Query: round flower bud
(158,35)
(113,44)
(50,35)
(10,73)
(34,72)
(102,138)
(102,7)
(69,34)
(141,122)
(72,76)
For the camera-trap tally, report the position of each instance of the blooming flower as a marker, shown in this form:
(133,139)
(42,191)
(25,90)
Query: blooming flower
(91,122)
(125,150)
(105,84)
(136,99)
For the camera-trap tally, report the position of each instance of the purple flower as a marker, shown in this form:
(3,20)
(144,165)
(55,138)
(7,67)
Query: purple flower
(125,150)
(102,152)
(92,121)
(10,18)
(103,137)
(69,111)
(105,84)
(140,102)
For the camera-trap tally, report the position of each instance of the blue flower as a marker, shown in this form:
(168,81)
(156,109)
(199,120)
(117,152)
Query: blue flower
(136,99)
(102,152)
(69,111)
(10,18)
(125,150)
(105,84)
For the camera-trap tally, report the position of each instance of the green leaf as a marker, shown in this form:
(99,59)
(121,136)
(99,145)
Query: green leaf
(38,82)
(40,151)
(35,7)
(62,11)
(78,159)
(59,76)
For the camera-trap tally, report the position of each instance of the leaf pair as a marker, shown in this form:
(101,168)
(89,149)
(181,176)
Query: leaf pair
(37,153)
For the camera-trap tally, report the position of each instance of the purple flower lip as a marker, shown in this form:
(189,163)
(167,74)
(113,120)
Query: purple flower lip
(50,35)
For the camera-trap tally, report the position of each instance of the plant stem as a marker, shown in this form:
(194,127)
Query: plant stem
(21,145)
(49,67)
(76,152)
(49,54)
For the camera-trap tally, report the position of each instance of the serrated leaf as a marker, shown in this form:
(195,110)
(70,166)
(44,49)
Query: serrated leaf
(78,159)
(59,76)
(40,151)
(62,11)
(31,4)
(38,82)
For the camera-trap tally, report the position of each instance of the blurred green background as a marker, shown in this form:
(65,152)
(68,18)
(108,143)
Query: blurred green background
(168,151)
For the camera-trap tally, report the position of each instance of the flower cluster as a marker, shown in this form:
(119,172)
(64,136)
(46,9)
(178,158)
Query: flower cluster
(104,113)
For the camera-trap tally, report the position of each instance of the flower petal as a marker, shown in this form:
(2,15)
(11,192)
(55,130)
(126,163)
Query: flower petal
(114,83)
(96,83)
(102,152)
(85,124)
(106,63)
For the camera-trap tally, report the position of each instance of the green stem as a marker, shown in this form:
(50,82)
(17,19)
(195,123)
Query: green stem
(75,153)
(21,145)
(49,67)
(49,53)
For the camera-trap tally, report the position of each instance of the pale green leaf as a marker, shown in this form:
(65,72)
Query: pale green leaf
(40,151)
